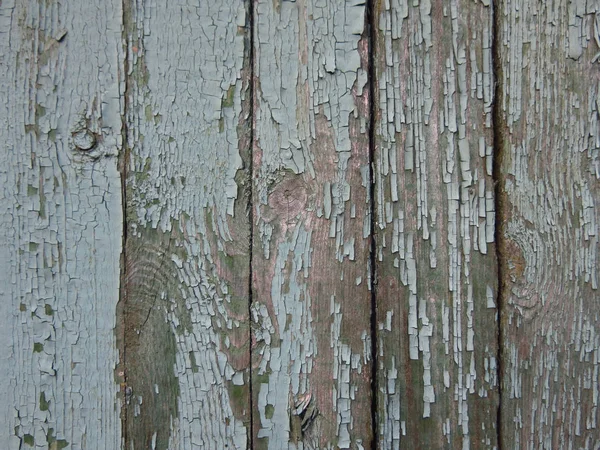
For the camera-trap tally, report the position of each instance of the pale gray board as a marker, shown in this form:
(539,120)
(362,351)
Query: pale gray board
(61,223)
(62,219)
(186,217)
(311,300)
(550,181)
(435,224)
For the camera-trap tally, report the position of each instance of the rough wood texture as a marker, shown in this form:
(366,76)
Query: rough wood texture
(436,261)
(187,248)
(60,224)
(549,128)
(250,158)
(311,301)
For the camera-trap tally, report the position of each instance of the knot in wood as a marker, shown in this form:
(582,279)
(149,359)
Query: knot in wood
(288,198)
(84,139)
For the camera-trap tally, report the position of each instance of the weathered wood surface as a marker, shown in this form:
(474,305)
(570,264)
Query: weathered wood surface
(186,337)
(261,161)
(311,303)
(61,223)
(549,134)
(434,200)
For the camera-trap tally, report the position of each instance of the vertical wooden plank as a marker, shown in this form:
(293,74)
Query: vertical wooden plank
(61,223)
(311,301)
(550,138)
(434,198)
(187,247)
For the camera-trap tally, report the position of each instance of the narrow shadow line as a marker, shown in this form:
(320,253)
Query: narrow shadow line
(123,169)
(371,33)
(250,24)
(498,128)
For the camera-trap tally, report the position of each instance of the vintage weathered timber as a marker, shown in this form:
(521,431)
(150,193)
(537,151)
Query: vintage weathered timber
(186,341)
(436,260)
(61,223)
(269,224)
(311,305)
(548,134)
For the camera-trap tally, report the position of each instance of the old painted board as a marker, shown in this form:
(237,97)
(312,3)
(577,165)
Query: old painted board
(187,262)
(61,223)
(549,131)
(434,198)
(311,304)
(263,145)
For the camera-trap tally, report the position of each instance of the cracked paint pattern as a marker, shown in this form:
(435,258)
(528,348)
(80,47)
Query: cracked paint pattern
(436,263)
(187,263)
(184,327)
(311,300)
(295,350)
(550,106)
(61,223)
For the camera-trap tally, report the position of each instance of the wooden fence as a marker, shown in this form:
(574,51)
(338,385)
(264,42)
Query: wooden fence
(301,224)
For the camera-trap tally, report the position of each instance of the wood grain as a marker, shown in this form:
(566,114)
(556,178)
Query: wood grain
(222,167)
(550,138)
(311,304)
(187,248)
(60,223)
(436,262)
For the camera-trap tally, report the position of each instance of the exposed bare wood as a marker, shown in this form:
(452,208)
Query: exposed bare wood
(251,136)
(187,250)
(311,301)
(60,223)
(550,169)
(436,262)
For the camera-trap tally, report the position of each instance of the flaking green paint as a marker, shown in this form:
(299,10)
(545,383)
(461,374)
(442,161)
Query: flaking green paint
(53,443)
(193,362)
(148,113)
(269,411)
(227,101)
(43,402)
(28,439)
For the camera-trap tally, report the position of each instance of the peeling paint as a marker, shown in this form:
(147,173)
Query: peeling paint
(311,210)
(61,224)
(212,131)
(550,135)
(187,262)
(435,249)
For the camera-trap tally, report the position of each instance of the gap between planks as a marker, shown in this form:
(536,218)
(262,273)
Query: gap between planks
(371,36)
(250,23)
(123,169)
(498,179)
